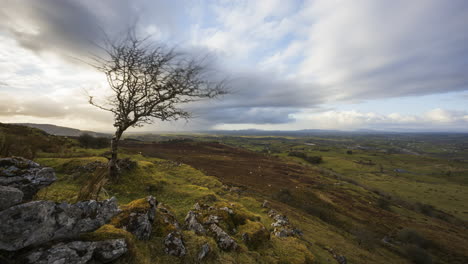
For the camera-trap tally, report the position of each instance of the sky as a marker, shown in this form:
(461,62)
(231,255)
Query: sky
(320,64)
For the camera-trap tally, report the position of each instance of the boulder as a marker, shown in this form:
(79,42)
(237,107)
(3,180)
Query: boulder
(78,252)
(224,241)
(191,223)
(204,251)
(9,196)
(25,175)
(174,244)
(109,250)
(212,219)
(38,222)
(138,217)
(266,204)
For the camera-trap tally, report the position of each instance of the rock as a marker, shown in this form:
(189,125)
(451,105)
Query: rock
(204,251)
(212,219)
(25,175)
(272,213)
(283,232)
(110,250)
(168,217)
(341,259)
(228,210)
(196,206)
(38,222)
(78,252)
(9,196)
(192,223)
(224,241)
(139,219)
(266,204)
(174,244)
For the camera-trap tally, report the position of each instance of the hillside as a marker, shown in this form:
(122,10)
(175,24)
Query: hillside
(335,216)
(62,131)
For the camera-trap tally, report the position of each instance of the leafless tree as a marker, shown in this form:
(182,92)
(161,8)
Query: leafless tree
(149,82)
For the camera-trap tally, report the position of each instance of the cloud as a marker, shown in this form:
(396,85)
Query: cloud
(435,120)
(283,58)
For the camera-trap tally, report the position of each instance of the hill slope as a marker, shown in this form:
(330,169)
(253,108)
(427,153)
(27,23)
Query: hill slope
(62,131)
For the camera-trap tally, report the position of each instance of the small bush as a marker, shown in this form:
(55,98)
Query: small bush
(410,236)
(417,255)
(383,203)
(88,141)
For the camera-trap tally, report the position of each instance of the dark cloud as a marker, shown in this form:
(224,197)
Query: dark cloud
(350,52)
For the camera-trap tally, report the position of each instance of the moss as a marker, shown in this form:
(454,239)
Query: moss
(136,206)
(254,234)
(291,250)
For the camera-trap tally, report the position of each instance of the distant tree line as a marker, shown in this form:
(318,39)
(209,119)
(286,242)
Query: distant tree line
(88,141)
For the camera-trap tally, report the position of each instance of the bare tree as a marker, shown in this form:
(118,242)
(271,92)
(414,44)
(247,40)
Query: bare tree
(149,82)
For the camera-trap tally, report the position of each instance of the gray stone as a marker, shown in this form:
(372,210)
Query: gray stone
(38,222)
(141,223)
(174,244)
(192,223)
(266,204)
(109,250)
(224,241)
(228,210)
(25,175)
(78,252)
(9,196)
(212,219)
(204,251)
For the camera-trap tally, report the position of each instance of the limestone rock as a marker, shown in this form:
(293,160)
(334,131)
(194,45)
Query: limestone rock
(204,251)
(174,244)
(38,222)
(25,175)
(223,240)
(192,223)
(78,252)
(212,219)
(139,220)
(9,196)
(109,250)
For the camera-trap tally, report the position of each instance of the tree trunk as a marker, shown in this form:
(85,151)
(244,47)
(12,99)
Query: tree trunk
(114,169)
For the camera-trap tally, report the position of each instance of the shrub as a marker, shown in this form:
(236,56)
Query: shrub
(88,141)
(410,236)
(383,203)
(417,254)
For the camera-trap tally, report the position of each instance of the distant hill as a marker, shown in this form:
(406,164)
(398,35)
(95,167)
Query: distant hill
(62,131)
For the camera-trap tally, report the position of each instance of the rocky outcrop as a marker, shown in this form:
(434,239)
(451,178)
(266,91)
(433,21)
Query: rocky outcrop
(77,252)
(9,196)
(138,217)
(282,226)
(38,222)
(204,251)
(25,175)
(29,230)
(224,241)
(174,244)
(192,223)
(339,258)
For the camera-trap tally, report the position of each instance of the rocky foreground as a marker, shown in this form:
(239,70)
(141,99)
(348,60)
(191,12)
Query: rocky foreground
(49,232)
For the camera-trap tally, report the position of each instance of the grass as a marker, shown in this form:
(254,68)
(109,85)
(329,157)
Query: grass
(337,204)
